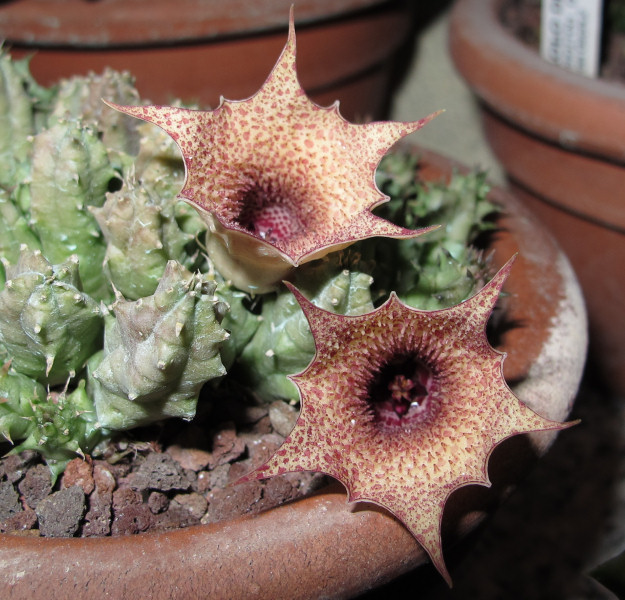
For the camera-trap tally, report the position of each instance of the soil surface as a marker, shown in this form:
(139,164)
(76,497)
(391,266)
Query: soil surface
(173,475)
(522,18)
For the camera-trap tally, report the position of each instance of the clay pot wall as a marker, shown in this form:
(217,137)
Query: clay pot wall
(561,139)
(200,50)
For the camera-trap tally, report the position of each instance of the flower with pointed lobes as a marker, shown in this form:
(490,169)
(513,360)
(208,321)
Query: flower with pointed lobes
(404,406)
(279,180)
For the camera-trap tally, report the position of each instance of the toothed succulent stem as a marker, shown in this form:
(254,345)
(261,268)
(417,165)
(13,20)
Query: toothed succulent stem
(17,119)
(70,173)
(14,229)
(18,395)
(81,98)
(159,164)
(158,352)
(132,225)
(239,319)
(48,326)
(159,169)
(443,268)
(59,426)
(283,343)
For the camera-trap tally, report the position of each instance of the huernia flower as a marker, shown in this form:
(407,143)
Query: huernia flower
(279,180)
(404,406)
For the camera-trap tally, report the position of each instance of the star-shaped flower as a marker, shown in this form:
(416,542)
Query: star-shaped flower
(404,406)
(279,180)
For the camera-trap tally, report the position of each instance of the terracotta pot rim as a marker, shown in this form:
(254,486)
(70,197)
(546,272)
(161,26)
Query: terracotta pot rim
(367,546)
(80,24)
(477,37)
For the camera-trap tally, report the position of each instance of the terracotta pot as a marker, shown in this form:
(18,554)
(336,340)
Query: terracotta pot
(198,50)
(321,546)
(561,139)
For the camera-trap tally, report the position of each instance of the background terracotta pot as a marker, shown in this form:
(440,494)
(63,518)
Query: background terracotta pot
(561,139)
(322,546)
(198,50)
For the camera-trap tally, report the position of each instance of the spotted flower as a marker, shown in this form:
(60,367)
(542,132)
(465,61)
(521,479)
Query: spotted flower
(279,180)
(404,406)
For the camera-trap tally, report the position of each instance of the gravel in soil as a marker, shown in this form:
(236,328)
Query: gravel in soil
(159,478)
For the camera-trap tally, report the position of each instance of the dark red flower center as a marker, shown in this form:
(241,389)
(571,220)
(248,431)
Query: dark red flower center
(268,214)
(400,394)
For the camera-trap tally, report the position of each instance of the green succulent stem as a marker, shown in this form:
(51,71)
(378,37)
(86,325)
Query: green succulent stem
(48,326)
(282,343)
(444,267)
(58,425)
(158,352)
(71,172)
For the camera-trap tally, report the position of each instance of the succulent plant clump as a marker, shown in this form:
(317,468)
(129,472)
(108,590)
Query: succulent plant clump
(88,218)
(444,267)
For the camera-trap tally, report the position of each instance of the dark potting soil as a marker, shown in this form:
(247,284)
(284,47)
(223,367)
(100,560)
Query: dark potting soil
(522,18)
(157,478)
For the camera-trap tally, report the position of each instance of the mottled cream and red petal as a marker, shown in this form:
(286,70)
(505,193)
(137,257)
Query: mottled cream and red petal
(294,176)
(445,438)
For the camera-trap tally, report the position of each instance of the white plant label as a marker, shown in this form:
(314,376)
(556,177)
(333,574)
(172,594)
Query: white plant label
(571,34)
